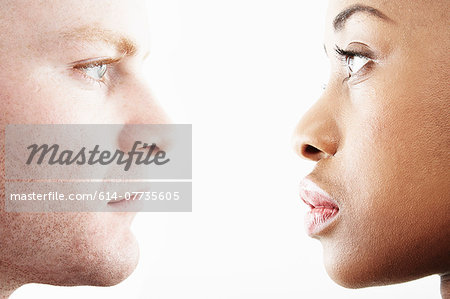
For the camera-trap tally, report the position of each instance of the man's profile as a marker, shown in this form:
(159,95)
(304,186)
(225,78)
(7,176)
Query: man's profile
(70,62)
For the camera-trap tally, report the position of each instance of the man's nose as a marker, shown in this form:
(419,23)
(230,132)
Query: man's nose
(144,118)
(139,106)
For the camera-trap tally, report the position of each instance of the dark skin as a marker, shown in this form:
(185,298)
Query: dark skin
(379,135)
(445,286)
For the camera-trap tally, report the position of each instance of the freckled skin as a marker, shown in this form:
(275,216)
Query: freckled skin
(38,87)
(383,141)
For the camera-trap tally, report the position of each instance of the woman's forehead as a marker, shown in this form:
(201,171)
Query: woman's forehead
(403,11)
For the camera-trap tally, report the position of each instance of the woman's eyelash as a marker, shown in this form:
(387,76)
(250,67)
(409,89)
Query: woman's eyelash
(354,61)
(343,54)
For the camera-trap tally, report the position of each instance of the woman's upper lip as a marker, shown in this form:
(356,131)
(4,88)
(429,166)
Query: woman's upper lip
(315,197)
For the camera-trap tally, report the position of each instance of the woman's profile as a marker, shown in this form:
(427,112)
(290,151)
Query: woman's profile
(379,134)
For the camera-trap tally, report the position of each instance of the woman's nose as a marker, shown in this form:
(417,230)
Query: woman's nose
(316,136)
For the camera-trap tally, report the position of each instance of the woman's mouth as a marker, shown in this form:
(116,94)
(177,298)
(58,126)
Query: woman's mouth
(323,208)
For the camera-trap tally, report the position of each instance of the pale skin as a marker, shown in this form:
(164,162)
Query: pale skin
(71,62)
(379,135)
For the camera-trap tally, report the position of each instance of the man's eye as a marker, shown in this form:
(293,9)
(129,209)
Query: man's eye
(96,72)
(95,68)
(355,63)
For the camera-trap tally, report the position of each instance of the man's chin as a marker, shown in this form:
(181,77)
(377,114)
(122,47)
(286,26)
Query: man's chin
(102,272)
(116,272)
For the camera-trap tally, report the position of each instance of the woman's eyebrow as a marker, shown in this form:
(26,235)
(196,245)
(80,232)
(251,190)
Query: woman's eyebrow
(121,42)
(340,20)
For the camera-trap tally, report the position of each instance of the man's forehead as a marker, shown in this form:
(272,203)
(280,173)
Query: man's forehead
(121,24)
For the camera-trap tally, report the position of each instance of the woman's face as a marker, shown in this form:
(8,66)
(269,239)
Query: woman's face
(380,137)
(71,62)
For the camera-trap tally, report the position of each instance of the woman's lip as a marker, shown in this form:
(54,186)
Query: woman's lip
(323,208)
(314,196)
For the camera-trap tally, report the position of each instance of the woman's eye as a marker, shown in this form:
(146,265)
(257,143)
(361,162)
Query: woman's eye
(355,63)
(96,72)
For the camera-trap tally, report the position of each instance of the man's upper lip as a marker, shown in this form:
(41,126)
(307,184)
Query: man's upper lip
(314,196)
(123,197)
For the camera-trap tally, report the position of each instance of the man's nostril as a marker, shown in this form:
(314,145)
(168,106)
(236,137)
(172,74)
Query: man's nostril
(310,150)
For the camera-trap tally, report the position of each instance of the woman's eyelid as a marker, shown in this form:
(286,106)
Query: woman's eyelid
(358,49)
(356,57)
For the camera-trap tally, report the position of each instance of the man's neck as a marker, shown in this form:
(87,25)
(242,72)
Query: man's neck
(445,286)
(7,285)
(5,293)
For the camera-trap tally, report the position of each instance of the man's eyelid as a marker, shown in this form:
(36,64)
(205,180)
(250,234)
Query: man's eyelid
(81,66)
(96,61)
(146,56)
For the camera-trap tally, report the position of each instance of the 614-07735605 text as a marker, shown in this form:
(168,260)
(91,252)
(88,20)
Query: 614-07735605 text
(102,196)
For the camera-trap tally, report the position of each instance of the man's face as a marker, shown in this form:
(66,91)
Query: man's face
(71,62)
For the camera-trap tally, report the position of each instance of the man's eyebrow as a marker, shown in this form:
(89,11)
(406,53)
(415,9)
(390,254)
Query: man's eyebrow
(340,20)
(95,34)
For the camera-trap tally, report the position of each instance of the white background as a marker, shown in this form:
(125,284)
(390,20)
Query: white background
(242,72)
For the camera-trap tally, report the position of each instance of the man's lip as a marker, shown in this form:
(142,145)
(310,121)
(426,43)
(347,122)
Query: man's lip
(315,197)
(123,198)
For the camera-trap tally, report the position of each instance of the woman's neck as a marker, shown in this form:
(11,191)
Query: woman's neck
(445,286)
